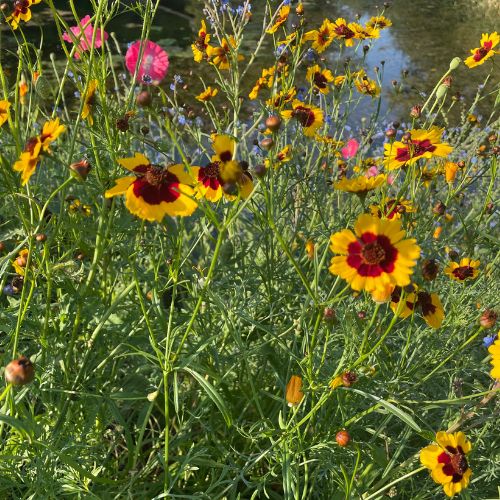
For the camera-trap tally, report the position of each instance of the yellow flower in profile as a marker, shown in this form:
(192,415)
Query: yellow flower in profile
(375,255)
(282,98)
(283,156)
(494,350)
(281,18)
(485,51)
(366,85)
(89,101)
(391,208)
(199,47)
(294,394)
(208,94)
(154,191)
(219,56)
(360,185)
(50,132)
(310,249)
(320,78)
(309,116)
(380,22)
(465,270)
(447,461)
(4,111)
(450,171)
(321,38)
(419,144)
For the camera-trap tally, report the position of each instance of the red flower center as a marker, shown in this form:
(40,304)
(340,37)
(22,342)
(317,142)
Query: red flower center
(209,175)
(372,255)
(482,52)
(320,80)
(414,149)
(463,272)
(424,301)
(305,116)
(323,37)
(21,7)
(156,185)
(344,31)
(455,463)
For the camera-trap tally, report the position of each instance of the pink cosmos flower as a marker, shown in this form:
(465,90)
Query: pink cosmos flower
(84,36)
(154,64)
(350,149)
(372,171)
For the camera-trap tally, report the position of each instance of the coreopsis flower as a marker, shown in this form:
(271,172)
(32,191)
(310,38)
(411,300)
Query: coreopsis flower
(83,36)
(50,132)
(21,12)
(391,208)
(310,249)
(4,111)
(485,51)
(360,185)
(309,116)
(366,85)
(20,262)
(328,141)
(321,38)
(281,18)
(320,78)
(467,269)
(283,156)
(450,171)
(199,47)
(294,394)
(219,56)
(375,255)
(89,102)
(76,207)
(208,94)
(447,461)
(380,22)
(154,191)
(223,170)
(494,350)
(365,32)
(23,90)
(428,304)
(339,80)
(345,31)
(281,98)
(417,144)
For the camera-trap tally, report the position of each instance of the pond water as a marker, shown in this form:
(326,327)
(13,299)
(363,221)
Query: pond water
(425,36)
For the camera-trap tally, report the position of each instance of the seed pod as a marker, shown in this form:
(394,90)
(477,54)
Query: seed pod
(488,319)
(144,99)
(20,371)
(343,438)
(260,170)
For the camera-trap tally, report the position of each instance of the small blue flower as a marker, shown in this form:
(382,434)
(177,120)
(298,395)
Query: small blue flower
(8,290)
(181,119)
(147,79)
(488,340)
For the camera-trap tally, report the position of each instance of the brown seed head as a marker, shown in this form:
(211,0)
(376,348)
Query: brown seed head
(20,371)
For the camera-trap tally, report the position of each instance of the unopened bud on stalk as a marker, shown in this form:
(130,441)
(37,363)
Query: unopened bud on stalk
(144,99)
(273,123)
(20,371)
(441,91)
(260,170)
(488,319)
(439,208)
(430,269)
(40,237)
(300,9)
(455,63)
(267,144)
(328,314)
(349,378)
(343,438)
(390,132)
(416,111)
(80,170)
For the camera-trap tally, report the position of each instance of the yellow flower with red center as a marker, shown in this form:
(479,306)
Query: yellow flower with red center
(375,255)
(322,38)
(20,262)
(4,111)
(21,12)
(222,171)
(467,269)
(494,350)
(329,141)
(360,185)
(366,85)
(284,156)
(34,148)
(309,116)
(200,46)
(220,56)
(485,51)
(281,18)
(420,144)
(428,304)
(380,22)
(294,394)
(447,461)
(282,98)
(344,31)
(266,79)
(89,101)
(320,78)
(208,94)
(154,191)
(391,208)
(365,32)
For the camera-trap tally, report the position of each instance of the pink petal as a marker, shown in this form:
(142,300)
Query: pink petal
(350,149)
(84,36)
(154,65)
(390,179)
(372,171)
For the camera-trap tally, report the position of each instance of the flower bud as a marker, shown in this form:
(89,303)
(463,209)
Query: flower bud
(343,438)
(2,246)
(455,63)
(349,378)
(439,208)
(260,170)
(144,99)
(390,133)
(294,394)
(488,319)
(300,9)
(328,314)
(20,371)
(273,123)
(430,269)
(416,111)
(17,284)
(40,237)
(441,91)
(267,144)
(80,170)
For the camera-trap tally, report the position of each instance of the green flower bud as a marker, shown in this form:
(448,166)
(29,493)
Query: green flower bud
(455,63)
